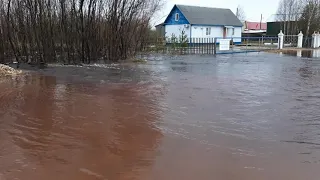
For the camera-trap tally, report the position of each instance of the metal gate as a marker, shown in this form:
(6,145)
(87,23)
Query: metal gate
(290,41)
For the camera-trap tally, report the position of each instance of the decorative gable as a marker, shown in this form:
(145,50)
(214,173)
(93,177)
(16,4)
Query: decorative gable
(176,17)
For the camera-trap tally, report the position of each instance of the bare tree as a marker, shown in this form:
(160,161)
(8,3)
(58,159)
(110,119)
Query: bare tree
(309,20)
(288,13)
(241,15)
(299,15)
(73,31)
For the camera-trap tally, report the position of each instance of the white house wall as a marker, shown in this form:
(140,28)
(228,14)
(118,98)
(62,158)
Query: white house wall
(176,30)
(237,34)
(216,32)
(200,31)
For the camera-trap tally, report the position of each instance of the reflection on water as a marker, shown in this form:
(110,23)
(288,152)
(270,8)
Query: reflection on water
(183,117)
(314,53)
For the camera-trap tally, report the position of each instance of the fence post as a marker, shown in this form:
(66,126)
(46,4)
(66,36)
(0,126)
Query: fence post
(318,40)
(280,40)
(314,40)
(300,40)
(215,46)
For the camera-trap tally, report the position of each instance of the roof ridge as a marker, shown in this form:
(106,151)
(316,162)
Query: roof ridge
(255,22)
(208,15)
(201,6)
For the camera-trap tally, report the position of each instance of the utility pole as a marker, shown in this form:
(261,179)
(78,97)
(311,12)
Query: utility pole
(237,13)
(260,21)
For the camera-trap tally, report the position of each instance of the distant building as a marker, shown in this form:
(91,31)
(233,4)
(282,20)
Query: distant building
(160,29)
(254,29)
(273,28)
(201,22)
(289,24)
(288,27)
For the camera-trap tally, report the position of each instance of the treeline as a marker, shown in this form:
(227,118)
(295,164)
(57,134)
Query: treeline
(73,31)
(299,15)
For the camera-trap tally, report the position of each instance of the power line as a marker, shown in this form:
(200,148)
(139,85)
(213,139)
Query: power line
(157,21)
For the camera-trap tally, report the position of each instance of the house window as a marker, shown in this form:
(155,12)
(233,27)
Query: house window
(208,31)
(177,17)
(232,31)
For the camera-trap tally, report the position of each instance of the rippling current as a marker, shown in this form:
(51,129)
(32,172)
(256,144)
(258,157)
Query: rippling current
(230,117)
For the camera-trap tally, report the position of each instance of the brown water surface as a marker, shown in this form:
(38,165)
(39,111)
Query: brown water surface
(229,117)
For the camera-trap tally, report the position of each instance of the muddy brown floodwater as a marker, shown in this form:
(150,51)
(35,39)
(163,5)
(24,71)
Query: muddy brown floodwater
(231,117)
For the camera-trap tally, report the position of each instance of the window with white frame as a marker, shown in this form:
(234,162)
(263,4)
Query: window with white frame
(208,31)
(232,31)
(177,17)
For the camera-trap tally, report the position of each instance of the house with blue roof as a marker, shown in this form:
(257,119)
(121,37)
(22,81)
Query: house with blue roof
(201,22)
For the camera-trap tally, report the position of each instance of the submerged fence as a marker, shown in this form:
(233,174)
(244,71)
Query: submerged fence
(212,45)
(183,45)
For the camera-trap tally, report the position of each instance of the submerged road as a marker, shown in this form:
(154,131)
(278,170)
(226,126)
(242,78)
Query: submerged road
(229,117)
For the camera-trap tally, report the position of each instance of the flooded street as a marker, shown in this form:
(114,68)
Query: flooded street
(230,117)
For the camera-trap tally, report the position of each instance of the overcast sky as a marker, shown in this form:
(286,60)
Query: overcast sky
(252,8)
